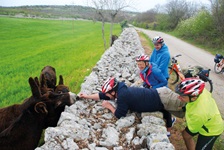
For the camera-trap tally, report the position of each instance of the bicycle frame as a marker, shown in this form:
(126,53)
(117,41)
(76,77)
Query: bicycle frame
(176,67)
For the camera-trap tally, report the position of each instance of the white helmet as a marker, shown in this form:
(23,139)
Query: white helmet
(157,40)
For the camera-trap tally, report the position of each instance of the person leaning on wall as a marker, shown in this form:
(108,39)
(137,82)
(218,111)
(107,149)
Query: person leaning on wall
(137,99)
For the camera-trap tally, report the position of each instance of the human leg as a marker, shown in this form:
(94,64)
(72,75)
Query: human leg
(205,142)
(188,139)
(167,116)
(169,120)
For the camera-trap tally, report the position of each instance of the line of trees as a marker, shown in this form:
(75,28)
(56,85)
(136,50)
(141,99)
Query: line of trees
(201,23)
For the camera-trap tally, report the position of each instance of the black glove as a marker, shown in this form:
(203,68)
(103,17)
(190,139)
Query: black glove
(147,86)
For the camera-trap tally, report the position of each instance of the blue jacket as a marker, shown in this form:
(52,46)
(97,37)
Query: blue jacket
(135,99)
(153,77)
(161,58)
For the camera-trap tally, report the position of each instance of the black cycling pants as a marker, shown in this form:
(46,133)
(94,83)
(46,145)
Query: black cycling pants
(205,142)
(168,117)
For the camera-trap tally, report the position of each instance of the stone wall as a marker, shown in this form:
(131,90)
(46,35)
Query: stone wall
(87,125)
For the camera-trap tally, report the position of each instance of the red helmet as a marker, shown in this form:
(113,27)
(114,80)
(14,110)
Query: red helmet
(157,39)
(109,85)
(142,57)
(190,87)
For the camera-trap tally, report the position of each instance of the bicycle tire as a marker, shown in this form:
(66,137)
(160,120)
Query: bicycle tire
(173,76)
(218,71)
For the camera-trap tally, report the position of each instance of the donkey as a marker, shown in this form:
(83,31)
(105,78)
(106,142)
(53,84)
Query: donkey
(24,132)
(49,73)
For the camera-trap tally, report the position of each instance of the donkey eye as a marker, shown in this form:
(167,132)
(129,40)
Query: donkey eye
(60,92)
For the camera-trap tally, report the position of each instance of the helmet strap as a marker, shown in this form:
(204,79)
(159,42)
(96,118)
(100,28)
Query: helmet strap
(190,98)
(114,95)
(114,90)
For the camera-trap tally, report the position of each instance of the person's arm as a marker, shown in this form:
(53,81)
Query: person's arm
(92,96)
(160,78)
(120,111)
(164,63)
(109,106)
(152,56)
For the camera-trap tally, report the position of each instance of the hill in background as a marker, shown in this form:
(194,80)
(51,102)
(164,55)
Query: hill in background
(58,12)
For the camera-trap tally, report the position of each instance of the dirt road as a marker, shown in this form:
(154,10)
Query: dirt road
(193,56)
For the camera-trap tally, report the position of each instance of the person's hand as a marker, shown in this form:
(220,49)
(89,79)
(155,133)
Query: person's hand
(109,106)
(147,86)
(106,104)
(82,95)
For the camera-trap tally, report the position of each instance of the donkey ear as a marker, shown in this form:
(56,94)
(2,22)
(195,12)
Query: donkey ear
(61,81)
(34,88)
(41,108)
(37,81)
(53,69)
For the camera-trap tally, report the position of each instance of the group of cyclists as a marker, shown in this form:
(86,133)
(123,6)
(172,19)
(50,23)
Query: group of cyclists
(190,99)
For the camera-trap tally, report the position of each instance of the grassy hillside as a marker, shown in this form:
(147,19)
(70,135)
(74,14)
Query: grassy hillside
(27,45)
(61,11)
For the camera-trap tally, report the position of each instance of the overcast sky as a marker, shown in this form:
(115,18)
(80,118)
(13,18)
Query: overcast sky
(139,5)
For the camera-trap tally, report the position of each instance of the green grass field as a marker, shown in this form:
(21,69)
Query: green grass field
(27,45)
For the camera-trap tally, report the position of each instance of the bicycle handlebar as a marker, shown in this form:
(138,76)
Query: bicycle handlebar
(178,55)
(173,58)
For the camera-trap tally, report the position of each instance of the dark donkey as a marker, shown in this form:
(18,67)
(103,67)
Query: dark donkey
(10,113)
(25,131)
(48,73)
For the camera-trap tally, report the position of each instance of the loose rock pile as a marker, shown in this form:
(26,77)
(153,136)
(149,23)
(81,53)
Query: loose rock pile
(87,125)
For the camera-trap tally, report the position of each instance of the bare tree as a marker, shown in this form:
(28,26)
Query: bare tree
(179,10)
(100,6)
(147,17)
(114,7)
(109,8)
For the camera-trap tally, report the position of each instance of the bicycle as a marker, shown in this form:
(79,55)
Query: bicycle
(219,62)
(175,73)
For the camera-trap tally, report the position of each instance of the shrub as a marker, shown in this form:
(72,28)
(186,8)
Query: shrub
(196,26)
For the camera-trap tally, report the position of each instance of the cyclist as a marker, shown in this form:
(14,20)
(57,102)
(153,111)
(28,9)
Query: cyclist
(137,99)
(202,115)
(160,55)
(150,74)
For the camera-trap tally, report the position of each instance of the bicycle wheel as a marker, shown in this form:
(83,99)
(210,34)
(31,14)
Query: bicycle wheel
(173,76)
(217,69)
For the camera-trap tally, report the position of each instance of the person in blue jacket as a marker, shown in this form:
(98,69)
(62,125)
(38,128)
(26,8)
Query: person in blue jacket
(160,55)
(149,73)
(137,99)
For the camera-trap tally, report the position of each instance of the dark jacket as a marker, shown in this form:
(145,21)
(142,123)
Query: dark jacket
(135,99)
